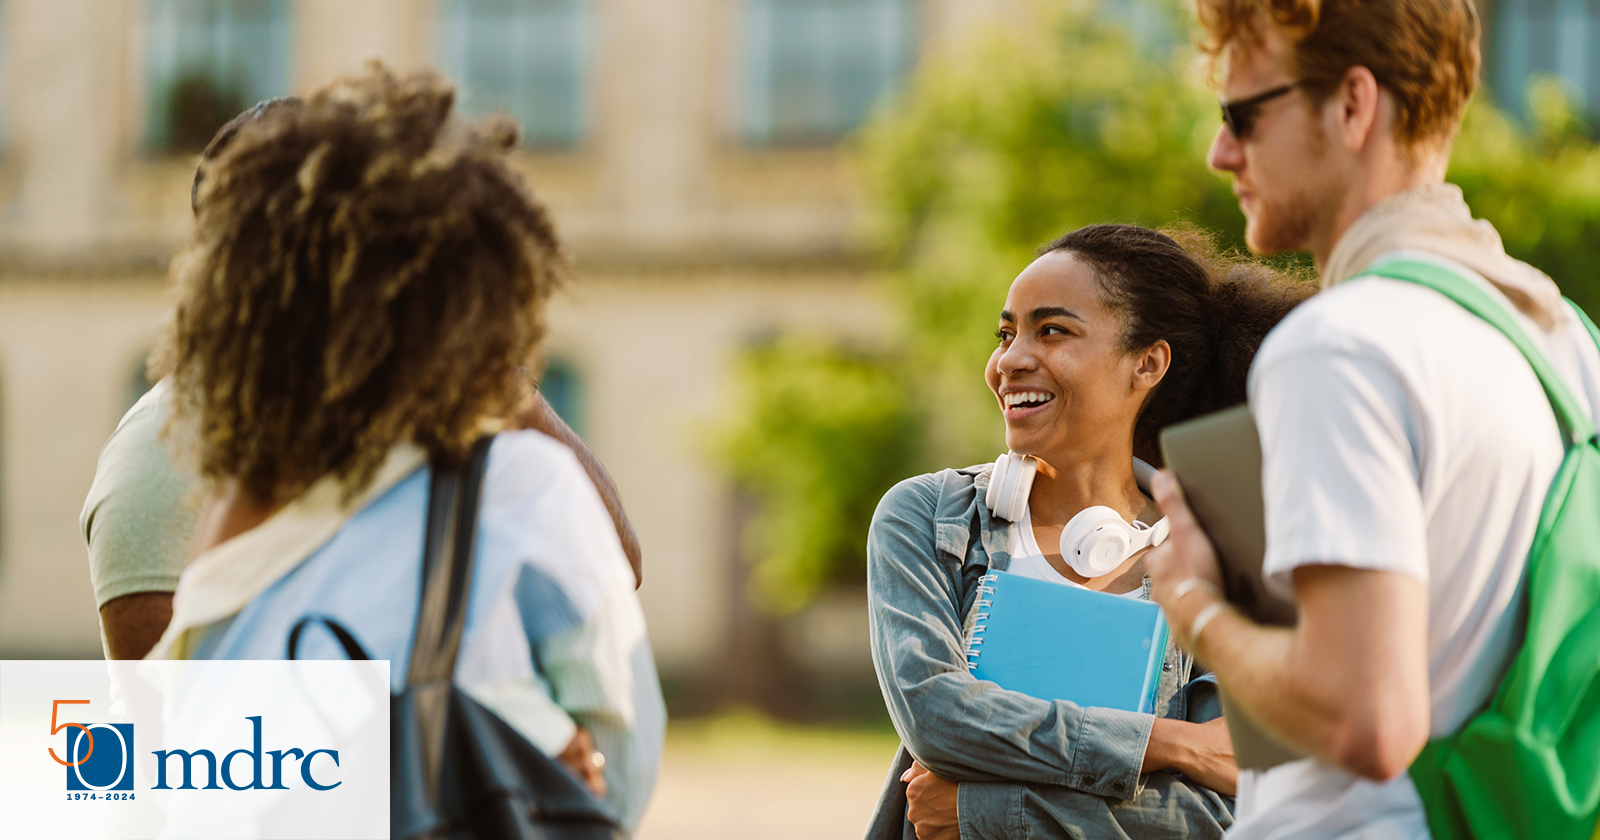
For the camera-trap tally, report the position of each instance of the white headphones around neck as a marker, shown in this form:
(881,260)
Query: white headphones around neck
(1097,539)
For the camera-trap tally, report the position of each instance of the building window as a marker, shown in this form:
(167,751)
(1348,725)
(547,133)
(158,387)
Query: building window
(1551,37)
(813,69)
(526,58)
(207,60)
(563,390)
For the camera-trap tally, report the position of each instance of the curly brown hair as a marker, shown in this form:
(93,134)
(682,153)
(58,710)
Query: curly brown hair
(1424,52)
(363,271)
(1212,306)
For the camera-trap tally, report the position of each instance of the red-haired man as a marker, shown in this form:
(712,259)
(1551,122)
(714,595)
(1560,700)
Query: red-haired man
(1407,445)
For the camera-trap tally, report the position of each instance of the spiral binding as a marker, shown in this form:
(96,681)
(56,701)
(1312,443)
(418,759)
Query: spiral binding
(976,637)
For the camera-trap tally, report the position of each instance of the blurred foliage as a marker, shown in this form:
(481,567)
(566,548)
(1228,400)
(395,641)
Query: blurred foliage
(820,433)
(1019,137)
(1539,184)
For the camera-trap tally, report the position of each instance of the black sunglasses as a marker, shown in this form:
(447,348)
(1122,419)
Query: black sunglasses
(1240,115)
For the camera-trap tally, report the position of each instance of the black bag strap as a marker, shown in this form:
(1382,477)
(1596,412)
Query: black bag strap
(352,648)
(447,548)
(447,567)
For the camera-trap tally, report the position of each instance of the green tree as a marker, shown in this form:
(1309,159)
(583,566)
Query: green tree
(1538,184)
(1023,135)
(821,432)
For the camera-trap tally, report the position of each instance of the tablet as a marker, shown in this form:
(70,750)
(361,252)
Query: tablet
(1217,459)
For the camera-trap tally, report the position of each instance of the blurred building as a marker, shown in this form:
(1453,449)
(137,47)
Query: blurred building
(691,150)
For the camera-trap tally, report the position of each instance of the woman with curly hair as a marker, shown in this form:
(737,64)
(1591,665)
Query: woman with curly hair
(364,287)
(138,518)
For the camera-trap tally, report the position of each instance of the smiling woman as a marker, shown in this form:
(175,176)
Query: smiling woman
(1112,333)
(1210,309)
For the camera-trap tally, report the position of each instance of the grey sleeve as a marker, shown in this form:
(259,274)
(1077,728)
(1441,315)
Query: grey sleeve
(139,518)
(960,728)
(1168,806)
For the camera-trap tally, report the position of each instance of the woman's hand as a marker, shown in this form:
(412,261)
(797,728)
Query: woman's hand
(1201,751)
(932,804)
(585,762)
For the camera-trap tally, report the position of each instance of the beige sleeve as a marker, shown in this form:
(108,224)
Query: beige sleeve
(139,518)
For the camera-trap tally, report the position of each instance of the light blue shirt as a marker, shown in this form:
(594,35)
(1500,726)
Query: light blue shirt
(554,634)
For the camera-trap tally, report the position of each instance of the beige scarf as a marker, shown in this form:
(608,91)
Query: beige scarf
(225,578)
(1435,219)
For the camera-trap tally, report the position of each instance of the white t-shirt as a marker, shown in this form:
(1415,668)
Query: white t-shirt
(1027,560)
(1401,433)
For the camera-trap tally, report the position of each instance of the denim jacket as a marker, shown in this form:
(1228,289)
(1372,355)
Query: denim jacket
(1026,767)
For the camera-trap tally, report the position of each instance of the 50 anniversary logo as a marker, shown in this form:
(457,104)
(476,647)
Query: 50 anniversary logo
(107,770)
(104,766)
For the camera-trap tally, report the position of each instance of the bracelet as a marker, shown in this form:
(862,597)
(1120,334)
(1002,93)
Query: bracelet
(1188,585)
(1205,616)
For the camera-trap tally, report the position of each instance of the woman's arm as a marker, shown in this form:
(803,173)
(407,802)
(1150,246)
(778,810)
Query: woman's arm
(581,620)
(960,728)
(1167,806)
(601,673)
(1201,751)
(542,417)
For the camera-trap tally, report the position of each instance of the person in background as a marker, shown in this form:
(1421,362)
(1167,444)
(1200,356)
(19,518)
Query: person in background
(139,516)
(1112,333)
(366,279)
(1407,445)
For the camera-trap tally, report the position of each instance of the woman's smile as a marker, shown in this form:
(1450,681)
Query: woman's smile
(1018,404)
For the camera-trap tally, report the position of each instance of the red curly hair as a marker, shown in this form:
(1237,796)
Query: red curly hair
(1424,52)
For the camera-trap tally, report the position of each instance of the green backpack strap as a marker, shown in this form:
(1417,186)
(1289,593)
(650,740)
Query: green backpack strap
(1576,427)
(1528,765)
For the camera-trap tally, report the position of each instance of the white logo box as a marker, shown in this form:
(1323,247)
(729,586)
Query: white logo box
(332,715)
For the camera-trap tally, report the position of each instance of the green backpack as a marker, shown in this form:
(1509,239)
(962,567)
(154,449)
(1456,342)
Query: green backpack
(1528,765)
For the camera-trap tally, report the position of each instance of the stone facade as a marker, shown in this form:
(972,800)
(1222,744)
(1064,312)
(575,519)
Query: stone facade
(688,243)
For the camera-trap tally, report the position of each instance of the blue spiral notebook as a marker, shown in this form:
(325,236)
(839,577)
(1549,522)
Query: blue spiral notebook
(1059,642)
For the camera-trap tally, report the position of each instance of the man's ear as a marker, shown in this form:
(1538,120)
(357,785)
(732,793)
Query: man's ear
(1152,366)
(1359,103)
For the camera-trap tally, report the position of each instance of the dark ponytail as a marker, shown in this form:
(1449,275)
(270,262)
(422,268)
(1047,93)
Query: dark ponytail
(1212,307)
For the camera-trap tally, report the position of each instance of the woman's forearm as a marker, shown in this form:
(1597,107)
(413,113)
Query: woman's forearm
(1166,749)
(986,738)
(1201,751)
(543,418)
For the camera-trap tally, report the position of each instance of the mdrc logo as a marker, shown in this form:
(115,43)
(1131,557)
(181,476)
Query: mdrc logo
(99,755)
(201,749)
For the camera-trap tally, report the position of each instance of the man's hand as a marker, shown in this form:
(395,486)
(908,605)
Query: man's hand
(580,758)
(1186,554)
(1348,684)
(932,804)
